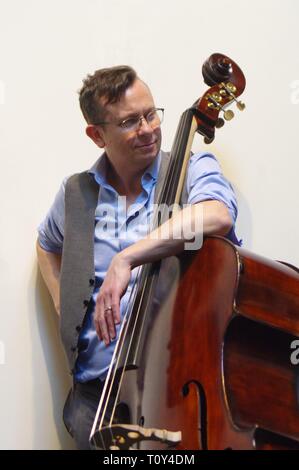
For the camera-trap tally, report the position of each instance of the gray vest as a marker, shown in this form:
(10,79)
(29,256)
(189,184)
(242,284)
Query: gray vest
(77,269)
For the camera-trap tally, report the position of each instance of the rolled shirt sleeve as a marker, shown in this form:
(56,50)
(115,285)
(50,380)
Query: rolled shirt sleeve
(51,230)
(205,181)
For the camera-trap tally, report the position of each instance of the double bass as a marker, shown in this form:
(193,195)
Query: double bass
(203,359)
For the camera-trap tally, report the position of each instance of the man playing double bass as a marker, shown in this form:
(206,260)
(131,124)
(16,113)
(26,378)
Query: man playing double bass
(97,231)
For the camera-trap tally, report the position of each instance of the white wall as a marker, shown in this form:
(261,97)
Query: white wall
(46,50)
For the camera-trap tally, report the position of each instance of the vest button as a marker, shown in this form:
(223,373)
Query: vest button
(85,303)
(91,282)
(73,348)
(78,328)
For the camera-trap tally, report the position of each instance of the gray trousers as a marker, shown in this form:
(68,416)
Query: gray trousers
(80,410)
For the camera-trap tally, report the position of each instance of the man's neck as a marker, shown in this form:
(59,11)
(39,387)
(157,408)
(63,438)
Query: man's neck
(126,184)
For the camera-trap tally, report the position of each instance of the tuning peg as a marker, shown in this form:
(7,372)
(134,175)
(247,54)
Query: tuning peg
(214,104)
(219,123)
(228,115)
(230,89)
(208,140)
(240,105)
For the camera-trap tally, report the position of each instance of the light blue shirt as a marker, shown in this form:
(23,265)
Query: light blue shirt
(116,228)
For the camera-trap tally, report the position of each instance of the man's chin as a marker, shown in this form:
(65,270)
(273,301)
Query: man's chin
(149,148)
(148,151)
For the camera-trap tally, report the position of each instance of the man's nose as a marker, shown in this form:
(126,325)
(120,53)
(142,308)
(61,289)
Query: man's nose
(144,126)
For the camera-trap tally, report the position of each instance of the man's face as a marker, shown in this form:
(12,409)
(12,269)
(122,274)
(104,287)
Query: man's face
(136,148)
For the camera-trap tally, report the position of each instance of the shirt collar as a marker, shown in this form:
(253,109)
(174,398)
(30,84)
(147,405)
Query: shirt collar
(99,170)
(153,170)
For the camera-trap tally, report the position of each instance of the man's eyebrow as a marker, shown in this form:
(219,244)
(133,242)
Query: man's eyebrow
(133,115)
(128,116)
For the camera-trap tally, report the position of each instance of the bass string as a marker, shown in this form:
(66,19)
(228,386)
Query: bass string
(118,352)
(111,376)
(145,288)
(166,195)
(146,282)
(115,362)
(108,378)
(166,190)
(102,407)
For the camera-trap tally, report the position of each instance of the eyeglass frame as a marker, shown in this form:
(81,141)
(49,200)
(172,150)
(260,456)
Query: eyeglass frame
(138,120)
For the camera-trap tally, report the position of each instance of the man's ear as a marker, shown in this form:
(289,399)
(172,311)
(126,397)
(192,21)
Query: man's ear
(95,134)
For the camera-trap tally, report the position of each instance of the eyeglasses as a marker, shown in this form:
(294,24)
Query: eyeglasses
(153,118)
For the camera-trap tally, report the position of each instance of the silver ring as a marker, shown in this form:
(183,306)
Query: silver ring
(107,308)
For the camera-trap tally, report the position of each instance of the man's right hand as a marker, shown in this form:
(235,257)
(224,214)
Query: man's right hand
(107,308)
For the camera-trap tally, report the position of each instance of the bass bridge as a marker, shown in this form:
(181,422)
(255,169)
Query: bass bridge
(125,436)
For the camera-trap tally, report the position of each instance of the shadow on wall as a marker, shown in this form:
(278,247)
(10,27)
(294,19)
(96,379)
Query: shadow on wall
(46,326)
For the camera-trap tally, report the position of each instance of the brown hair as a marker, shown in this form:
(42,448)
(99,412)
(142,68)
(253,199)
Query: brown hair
(109,83)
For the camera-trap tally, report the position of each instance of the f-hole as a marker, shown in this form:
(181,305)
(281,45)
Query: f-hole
(202,425)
